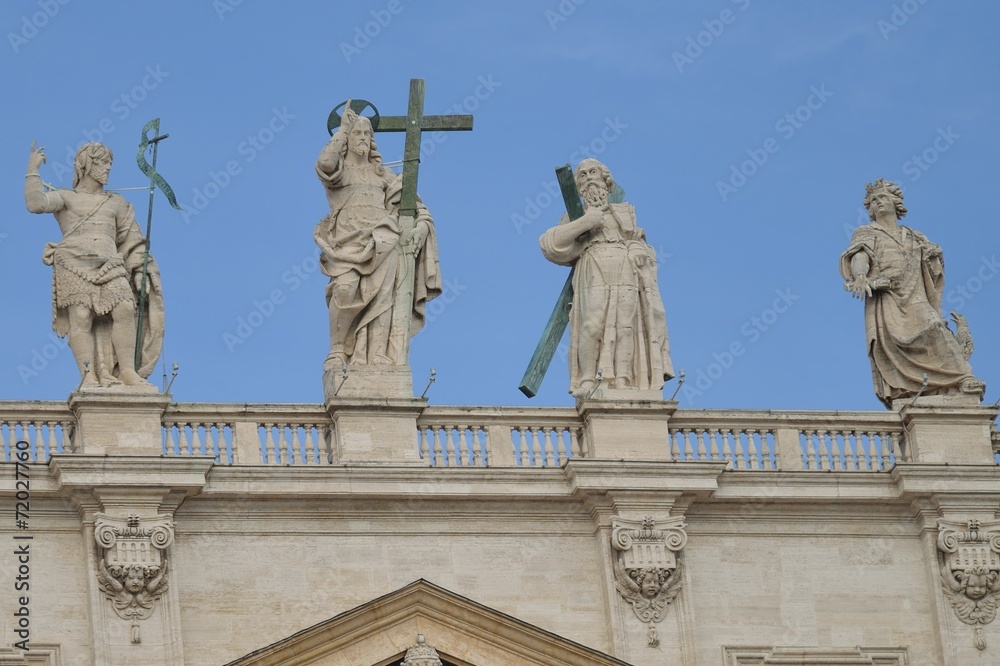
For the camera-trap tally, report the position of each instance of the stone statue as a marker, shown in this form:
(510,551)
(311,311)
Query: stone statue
(97,272)
(361,245)
(900,274)
(618,326)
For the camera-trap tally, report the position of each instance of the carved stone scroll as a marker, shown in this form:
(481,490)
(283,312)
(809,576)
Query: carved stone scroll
(648,573)
(132,565)
(970,571)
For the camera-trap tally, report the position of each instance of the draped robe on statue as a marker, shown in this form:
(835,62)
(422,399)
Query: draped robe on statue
(616,296)
(361,235)
(905,333)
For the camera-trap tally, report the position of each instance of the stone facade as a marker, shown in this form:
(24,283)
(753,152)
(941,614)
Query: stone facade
(808,537)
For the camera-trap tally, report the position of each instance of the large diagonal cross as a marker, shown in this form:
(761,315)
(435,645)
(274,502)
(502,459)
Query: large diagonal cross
(559,319)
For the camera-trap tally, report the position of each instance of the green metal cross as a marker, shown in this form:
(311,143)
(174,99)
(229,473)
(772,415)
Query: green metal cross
(559,319)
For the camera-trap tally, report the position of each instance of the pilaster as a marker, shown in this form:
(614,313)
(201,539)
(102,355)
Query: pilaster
(127,505)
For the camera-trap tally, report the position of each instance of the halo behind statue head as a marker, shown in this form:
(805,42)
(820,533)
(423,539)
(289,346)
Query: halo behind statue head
(358,105)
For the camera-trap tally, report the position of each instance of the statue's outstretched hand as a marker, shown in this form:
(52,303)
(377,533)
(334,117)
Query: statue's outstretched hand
(349,118)
(36,158)
(860,287)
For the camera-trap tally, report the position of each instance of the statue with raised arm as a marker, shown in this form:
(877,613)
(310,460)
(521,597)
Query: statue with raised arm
(618,326)
(900,275)
(361,243)
(97,272)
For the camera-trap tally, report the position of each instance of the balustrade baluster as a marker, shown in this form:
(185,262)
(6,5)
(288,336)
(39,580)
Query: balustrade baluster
(423,445)
(714,436)
(727,447)
(575,448)
(312,444)
(562,440)
(39,444)
(810,449)
(536,447)
(549,446)
(699,443)
(458,457)
(523,449)
(185,443)
(438,459)
(477,445)
(295,444)
(764,450)
(269,455)
(753,461)
(51,444)
(885,450)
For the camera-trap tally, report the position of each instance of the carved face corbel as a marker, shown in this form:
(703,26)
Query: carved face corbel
(970,571)
(648,572)
(132,565)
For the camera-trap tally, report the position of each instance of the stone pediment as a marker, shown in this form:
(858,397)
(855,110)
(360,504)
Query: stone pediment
(463,632)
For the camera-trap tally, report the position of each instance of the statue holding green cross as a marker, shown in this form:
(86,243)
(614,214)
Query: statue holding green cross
(378,244)
(618,327)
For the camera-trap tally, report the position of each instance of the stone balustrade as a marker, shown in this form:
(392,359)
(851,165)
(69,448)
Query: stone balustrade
(789,440)
(446,436)
(48,427)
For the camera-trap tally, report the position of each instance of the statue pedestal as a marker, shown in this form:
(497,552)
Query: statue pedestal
(369,381)
(941,431)
(376,431)
(118,421)
(627,429)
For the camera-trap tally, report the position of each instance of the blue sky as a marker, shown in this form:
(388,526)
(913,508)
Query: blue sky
(675,98)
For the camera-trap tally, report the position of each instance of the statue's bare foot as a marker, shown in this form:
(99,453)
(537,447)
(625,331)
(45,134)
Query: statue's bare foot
(584,390)
(379,359)
(620,383)
(109,380)
(132,378)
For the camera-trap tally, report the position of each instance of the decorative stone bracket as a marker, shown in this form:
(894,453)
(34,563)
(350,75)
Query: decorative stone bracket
(970,571)
(648,572)
(132,565)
